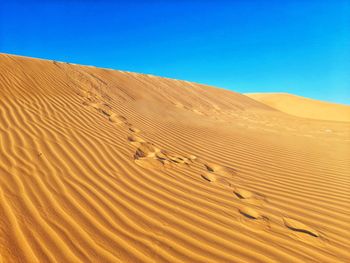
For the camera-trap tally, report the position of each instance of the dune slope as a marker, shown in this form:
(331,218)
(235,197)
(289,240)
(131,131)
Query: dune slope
(304,107)
(100,165)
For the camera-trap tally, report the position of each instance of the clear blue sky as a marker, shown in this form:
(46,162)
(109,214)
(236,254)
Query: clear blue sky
(301,46)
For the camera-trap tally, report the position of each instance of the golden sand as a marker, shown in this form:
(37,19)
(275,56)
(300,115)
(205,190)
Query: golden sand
(100,165)
(304,107)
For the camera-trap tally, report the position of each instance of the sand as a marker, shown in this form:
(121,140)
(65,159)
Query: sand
(100,165)
(304,107)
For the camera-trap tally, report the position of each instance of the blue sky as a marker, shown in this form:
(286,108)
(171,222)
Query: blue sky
(300,47)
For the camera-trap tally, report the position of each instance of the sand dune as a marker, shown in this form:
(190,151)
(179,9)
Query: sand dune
(101,165)
(304,107)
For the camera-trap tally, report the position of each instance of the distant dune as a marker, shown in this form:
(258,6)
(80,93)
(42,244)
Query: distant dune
(303,107)
(101,165)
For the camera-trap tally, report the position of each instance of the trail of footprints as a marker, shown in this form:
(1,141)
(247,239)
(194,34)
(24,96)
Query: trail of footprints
(105,109)
(147,155)
(252,203)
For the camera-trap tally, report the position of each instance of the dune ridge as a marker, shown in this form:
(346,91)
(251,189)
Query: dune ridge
(304,107)
(102,165)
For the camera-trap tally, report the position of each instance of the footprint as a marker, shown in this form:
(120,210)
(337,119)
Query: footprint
(209,177)
(100,106)
(133,129)
(248,196)
(118,119)
(161,155)
(222,170)
(146,150)
(253,219)
(297,226)
(178,159)
(243,194)
(105,109)
(135,140)
(106,112)
(213,178)
(250,213)
(147,155)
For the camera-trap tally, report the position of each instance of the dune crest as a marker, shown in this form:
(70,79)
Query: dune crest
(304,107)
(100,165)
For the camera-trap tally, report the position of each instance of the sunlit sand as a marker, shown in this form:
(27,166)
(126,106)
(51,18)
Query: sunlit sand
(101,165)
